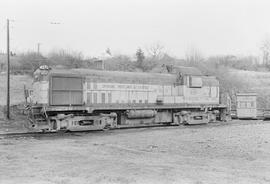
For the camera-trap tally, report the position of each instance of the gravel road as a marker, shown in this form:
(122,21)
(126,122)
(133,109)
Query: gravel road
(237,152)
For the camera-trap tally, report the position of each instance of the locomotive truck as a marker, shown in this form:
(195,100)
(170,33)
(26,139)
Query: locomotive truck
(87,99)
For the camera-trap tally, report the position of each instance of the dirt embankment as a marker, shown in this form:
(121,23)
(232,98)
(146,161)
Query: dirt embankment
(209,154)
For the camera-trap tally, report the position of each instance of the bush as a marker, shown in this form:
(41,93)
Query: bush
(70,59)
(26,62)
(120,63)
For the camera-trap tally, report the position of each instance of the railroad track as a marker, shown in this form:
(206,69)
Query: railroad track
(67,133)
(61,133)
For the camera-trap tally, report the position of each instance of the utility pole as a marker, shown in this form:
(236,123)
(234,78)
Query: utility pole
(8,73)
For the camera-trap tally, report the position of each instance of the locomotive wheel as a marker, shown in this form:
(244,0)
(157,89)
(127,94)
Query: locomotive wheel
(180,120)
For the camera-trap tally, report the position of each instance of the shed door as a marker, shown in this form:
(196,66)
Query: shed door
(66,90)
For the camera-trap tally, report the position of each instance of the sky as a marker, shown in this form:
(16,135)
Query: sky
(214,27)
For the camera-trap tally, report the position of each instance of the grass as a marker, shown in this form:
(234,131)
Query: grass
(17,83)
(18,120)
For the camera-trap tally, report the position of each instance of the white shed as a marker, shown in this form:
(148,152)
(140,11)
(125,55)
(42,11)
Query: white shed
(246,105)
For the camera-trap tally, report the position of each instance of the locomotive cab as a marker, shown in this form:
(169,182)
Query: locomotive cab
(55,89)
(40,85)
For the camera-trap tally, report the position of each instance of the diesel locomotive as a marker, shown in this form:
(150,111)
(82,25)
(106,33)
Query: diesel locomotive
(87,99)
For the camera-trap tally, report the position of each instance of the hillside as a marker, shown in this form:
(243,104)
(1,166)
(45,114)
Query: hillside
(258,82)
(17,83)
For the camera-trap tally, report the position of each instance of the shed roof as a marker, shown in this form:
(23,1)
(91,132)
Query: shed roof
(247,94)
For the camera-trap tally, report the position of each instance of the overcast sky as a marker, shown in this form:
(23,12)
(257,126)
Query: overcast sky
(212,26)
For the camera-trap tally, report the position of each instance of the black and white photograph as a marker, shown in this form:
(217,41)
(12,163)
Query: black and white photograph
(134,91)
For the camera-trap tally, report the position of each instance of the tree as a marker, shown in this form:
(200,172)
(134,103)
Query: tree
(155,51)
(29,61)
(120,63)
(70,59)
(265,48)
(193,57)
(108,51)
(140,58)
(238,62)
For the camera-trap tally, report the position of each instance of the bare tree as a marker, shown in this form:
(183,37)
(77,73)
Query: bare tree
(68,58)
(156,51)
(29,61)
(108,51)
(265,48)
(193,57)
